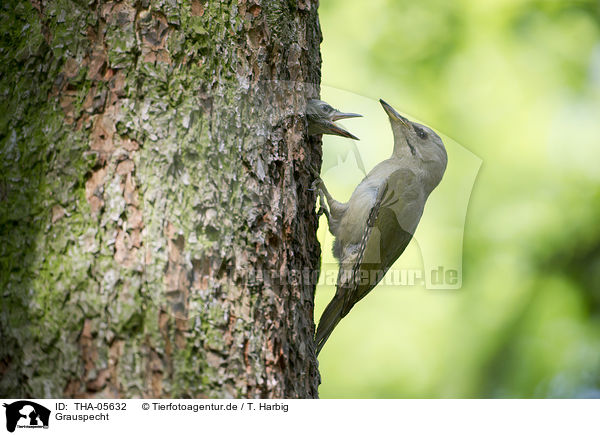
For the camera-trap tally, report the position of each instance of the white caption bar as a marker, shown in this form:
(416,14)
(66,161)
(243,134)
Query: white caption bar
(299,416)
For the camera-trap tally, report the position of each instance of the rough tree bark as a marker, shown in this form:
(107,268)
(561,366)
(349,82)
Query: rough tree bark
(155,165)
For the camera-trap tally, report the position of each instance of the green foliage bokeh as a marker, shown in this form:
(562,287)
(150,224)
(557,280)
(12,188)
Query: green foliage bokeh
(517,83)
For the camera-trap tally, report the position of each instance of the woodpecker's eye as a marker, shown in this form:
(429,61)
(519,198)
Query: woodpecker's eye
(420,132)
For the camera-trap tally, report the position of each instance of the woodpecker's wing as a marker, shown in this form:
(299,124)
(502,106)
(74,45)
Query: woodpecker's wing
(338,307)
(382,243)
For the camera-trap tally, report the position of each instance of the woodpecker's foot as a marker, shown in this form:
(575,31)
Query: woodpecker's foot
(323,209)
(314,172)
(316,185)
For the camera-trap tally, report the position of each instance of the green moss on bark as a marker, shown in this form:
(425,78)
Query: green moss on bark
(153,155)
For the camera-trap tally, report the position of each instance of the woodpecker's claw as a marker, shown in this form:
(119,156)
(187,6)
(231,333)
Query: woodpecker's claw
(316,185)
(323,209)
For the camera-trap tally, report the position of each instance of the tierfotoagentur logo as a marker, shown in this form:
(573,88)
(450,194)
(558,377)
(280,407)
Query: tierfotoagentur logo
(25,414)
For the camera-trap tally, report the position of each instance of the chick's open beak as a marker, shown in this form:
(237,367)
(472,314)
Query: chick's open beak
(393,114)
(339,131)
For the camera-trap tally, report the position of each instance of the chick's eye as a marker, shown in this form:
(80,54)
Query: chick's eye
(420,132)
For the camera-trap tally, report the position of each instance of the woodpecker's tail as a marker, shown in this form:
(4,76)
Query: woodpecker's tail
(329,320)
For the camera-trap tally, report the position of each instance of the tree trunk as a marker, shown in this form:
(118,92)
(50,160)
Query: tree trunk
(156,224)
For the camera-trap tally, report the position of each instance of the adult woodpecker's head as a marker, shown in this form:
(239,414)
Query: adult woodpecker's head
(321,119)
(419,141)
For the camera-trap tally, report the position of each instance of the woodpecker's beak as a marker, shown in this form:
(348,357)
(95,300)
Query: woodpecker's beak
(339,131)
(341,115)
(393,115)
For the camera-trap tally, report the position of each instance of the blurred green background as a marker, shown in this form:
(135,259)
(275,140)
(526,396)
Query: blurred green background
(513,85)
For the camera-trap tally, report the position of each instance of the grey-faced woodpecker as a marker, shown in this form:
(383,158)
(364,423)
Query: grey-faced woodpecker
(321,119)
(374,227)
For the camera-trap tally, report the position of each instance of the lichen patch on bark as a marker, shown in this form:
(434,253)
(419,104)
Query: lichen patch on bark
(161,175)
